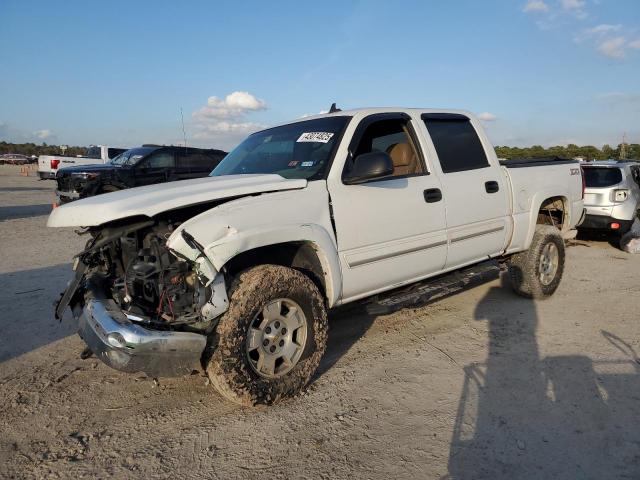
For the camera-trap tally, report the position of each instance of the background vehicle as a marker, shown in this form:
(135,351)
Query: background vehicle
(235,272)
(136,167)
(612,195)
(14,159)
(48,165)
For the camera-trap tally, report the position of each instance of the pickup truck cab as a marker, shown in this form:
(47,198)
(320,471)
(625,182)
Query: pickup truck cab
(236,272)
(48,165)
(139,166)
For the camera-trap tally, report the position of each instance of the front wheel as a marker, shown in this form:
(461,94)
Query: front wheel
(536,272)
(272,337)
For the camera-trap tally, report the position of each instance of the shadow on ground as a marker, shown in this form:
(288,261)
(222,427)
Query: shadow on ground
(521,415)
(24,211)
(26,299)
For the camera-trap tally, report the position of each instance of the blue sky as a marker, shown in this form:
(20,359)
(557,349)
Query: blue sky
(540,71)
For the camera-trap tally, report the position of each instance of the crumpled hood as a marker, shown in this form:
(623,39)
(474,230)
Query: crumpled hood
(154,199)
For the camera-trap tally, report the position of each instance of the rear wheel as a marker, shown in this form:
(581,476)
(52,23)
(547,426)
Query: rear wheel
(272,337)
(536,272)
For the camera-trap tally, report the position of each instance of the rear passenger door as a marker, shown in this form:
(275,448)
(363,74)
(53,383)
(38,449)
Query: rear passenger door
(475,192)
(193,164)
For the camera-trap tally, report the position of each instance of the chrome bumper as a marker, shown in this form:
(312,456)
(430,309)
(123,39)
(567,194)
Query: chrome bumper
(129,347)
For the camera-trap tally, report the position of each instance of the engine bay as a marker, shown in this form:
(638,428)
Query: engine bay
(144,278)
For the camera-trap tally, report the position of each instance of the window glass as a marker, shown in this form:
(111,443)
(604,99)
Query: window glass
(392,137)
(457,144)
(160,160)
(297,150)
(195,160)
(114,152)
(601,177)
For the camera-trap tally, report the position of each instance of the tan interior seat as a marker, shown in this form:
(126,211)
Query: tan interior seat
(404,159)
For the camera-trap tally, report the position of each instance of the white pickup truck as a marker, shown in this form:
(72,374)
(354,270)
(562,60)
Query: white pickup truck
(235,273)
(48,165)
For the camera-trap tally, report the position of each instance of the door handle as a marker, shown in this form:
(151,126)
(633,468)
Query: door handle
(432,195)
(491,187)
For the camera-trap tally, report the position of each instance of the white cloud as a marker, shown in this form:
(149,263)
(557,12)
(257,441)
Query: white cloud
(635,44)
(224,120)
(602,29)
(613,47)
(43,134)
(487,117)
(234,105)
(576,7)
(535,6)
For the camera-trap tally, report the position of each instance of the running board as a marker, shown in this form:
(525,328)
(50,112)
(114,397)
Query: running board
(422,293)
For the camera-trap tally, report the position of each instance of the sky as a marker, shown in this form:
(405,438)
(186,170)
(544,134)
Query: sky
(122,73)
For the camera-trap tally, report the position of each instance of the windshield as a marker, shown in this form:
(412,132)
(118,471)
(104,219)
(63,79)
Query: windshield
(601,177)
(298,150)
(131,157)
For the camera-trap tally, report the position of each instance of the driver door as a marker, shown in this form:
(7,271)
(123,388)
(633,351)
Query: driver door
(158,167)
(390,231)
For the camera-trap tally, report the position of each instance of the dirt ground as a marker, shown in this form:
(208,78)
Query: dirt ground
(483,384)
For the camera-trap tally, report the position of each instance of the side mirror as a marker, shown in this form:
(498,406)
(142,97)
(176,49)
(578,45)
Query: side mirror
(369,166)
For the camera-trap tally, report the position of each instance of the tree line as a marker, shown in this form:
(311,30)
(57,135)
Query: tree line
(588,152)
(37,150)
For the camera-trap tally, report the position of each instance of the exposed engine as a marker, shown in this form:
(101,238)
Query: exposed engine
(144,278)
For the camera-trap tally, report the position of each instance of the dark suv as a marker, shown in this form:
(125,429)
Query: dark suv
(144,165)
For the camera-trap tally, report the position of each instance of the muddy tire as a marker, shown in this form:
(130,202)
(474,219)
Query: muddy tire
(109,189)
(273,310)
(536,272)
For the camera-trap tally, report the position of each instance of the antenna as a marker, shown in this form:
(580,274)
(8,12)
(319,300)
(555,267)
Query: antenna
(184,134)
(334,109)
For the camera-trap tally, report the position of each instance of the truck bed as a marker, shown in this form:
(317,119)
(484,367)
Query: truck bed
(536,162)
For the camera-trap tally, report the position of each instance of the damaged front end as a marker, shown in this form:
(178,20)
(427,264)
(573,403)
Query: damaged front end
(141,305)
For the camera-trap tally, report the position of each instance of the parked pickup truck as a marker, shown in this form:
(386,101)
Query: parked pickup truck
(48,165)
(136,167)
(235,272)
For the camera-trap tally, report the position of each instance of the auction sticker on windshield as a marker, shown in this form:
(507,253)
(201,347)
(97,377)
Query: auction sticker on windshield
(322,137)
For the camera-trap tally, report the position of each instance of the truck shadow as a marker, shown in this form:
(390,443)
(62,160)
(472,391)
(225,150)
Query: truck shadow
(26,299)
(24,211)
(521,415)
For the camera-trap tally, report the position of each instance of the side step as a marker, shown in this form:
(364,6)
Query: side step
(422,293)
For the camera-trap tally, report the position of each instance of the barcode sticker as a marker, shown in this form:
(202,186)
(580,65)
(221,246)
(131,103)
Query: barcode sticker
(322,137)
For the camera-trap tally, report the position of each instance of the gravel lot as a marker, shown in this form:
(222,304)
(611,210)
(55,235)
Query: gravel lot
(479,385)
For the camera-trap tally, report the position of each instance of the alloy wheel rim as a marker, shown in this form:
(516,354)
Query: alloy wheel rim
(276,338)
(548,264)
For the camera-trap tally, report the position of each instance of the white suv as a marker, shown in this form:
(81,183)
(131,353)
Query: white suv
(612,195)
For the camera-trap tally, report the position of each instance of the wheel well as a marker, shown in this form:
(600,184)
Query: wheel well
(553,212)
(301,256)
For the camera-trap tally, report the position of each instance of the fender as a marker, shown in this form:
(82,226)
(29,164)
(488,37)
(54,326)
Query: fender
(536,202)
(269,219)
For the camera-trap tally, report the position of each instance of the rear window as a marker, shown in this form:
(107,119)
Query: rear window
(456,141)
(600,177)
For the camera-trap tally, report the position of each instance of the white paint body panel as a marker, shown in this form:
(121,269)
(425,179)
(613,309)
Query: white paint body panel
(154,199)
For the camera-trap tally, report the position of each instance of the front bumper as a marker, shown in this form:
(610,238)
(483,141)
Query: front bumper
(129,347)
(47,175)
(603,222)
(66,196)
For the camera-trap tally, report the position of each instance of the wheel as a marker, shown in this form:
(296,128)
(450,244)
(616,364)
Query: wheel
(272,337)
(109,189)
(536,272)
